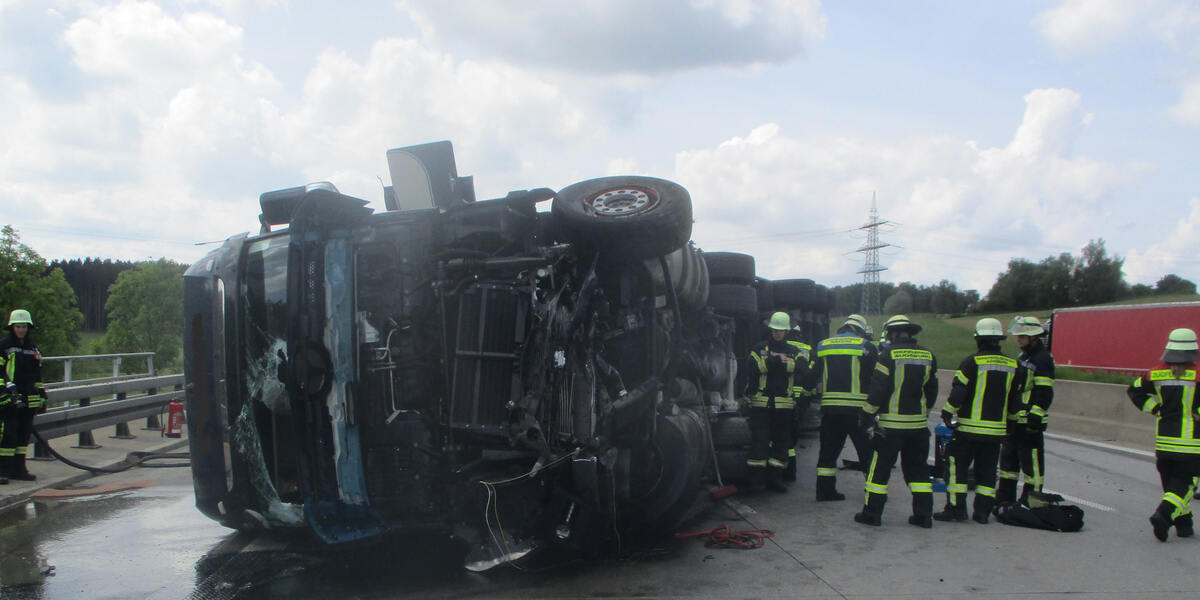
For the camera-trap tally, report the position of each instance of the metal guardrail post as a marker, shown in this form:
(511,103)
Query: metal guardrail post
(122,432)
(86,441)
(152,423)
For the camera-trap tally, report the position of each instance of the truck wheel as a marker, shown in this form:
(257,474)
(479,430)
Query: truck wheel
(733,300)
(730,267)
(766,296)
(792,294)
(626,217)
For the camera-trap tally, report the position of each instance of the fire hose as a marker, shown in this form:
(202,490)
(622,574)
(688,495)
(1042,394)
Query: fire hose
(724,537)
(133,459)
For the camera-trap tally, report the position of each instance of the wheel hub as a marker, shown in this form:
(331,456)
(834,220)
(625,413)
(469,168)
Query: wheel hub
(623,202)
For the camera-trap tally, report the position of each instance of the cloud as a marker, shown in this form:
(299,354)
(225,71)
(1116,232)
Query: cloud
(1176,253)
(1081,26)
(627,36)
(795,202)
(1188,108)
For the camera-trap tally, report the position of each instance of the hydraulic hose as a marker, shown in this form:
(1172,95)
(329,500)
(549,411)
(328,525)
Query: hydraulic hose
(133,459)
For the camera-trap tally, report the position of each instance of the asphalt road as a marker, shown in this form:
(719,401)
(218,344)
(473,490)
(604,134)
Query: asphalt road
(152,543)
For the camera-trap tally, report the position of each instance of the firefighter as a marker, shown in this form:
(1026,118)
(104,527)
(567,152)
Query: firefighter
(1023,451)
(841,372)
(977,411)
(771,405)
(903,389)
(1168,391)
(23,395)
(801,396)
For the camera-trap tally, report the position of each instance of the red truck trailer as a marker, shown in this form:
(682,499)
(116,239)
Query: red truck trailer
(1124,338)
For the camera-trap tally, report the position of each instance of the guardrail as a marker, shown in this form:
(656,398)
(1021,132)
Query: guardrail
(69,362)
(145,401)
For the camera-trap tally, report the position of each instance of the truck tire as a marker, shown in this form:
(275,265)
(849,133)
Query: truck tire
(792,294)
(731,433)
(730,267)
(626,217)
(733,300)
(766,296)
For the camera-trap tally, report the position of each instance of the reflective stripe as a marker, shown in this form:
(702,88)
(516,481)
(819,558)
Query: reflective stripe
(781,402)
(983,427)
(960,488)
(826,472)
(983,490)
(961,378)
(774,462)
(875,488)
(1151,403)
(792,452)
(1173,499)
(750,462)
(840,352)
(1009,475)
(1037,479)
(1166,374)
(882,368)
(7,451)
(1043,381)
(1037,410)
(920,486)
(891,421)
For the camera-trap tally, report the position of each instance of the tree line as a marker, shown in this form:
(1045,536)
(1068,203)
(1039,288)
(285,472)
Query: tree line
(142,306)
(91,278)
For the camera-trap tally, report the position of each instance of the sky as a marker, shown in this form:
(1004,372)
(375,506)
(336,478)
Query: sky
(982,131)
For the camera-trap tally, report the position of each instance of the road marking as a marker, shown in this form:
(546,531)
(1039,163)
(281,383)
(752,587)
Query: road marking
(1086,503)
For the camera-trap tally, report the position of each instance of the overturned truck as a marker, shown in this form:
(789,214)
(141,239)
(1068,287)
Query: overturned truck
(511,377)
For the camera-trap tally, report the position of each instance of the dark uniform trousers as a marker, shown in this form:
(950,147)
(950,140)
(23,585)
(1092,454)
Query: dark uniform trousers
(966,451)
(770,435)
(912,446)
(1178,474)
(836,425)
(1023,452)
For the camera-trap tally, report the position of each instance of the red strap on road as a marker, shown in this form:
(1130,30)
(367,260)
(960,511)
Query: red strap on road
(724,537)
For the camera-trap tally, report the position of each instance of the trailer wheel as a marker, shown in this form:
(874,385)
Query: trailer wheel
(793,294)
(730,267)
(733,300)
(626,217)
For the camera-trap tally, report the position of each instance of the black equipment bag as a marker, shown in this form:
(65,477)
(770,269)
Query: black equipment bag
(1056,517)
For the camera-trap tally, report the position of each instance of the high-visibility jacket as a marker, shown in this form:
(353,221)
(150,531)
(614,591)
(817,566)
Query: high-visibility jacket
(803,359)
(19,364)
(1173,401)
(841,371)
(980,394)
(903,387)
(1036,379)
(772,366)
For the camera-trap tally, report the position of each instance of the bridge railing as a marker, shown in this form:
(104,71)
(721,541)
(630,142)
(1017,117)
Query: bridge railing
(78,407)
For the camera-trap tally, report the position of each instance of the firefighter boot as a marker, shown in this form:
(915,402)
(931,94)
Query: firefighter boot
(756,478)
(872,511)
(19,470)
(1161,520)
(827,489)
(952,512)
(922,506)
(1183,526)
(774,482)
(983,508)
(1006,491)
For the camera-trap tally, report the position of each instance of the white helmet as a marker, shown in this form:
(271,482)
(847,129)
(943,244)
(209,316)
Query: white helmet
(989,328)
(1025,326)
(1181,347)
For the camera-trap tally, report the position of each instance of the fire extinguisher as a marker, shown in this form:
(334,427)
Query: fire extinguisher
(174,425)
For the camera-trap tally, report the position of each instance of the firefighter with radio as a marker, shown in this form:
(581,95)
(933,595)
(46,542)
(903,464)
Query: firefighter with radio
(977,411)
(1168,391)
(772,368)
(23,395)
(903,390)
(1023,451)
(841,373)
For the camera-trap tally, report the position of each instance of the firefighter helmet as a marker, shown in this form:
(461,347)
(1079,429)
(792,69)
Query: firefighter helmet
(989,328)
(1025,326)
(1181,347)
(780,321)
(901,323)
(20,317)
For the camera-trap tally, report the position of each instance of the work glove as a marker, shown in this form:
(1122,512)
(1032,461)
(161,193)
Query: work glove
(872,428)
(949,419)
(19,401)
(1035,423)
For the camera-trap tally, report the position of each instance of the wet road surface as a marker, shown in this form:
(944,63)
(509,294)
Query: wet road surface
(152,543)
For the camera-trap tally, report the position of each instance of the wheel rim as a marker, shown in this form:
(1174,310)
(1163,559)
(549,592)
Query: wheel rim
(622,202)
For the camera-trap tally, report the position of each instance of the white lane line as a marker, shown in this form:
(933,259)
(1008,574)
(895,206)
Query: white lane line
(1086,503)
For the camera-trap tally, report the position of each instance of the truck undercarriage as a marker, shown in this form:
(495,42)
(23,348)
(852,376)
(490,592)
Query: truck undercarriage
(513,378)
